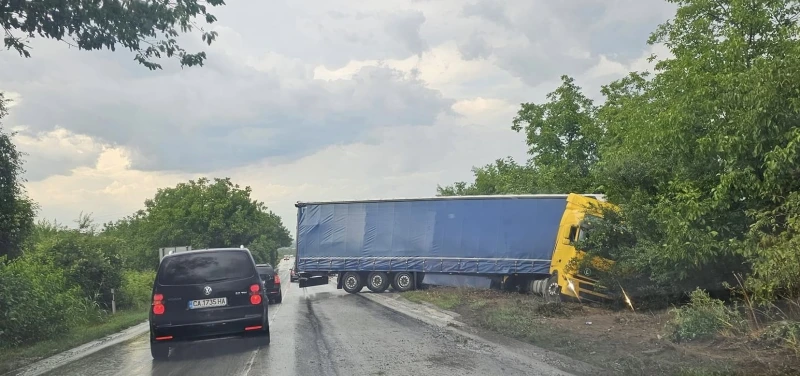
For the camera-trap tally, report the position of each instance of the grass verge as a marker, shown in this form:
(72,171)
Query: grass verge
(20,356)
(623,342)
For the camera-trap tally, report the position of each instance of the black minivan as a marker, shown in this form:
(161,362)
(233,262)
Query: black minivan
(203,294)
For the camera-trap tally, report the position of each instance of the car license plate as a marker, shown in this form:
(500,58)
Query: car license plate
(208,303)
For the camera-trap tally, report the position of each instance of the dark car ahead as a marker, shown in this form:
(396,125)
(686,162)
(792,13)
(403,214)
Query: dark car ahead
(272,282)
(293,277)
(205,294)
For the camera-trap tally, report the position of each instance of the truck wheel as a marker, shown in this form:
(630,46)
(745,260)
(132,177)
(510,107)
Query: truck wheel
(552,293)
(403,281)
(377,281)
(352,283)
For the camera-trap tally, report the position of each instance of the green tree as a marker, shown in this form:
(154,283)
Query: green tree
(504,176)
(16,210)
(201,214)
(748,54)
(562,135)
(703,155)
(148,28)
(141,248)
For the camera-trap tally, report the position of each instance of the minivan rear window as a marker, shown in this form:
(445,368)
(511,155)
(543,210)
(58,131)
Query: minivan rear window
(191,269)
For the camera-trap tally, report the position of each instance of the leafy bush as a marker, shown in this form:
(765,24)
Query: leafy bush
(34,293)
(703,318)
(136,289)
(89,261)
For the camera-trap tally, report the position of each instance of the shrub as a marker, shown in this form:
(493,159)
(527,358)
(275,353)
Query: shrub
(702,318)
(34,293)
(136,289)
(88,261)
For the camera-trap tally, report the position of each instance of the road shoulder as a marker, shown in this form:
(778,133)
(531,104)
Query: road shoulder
(62,358)
(448,320)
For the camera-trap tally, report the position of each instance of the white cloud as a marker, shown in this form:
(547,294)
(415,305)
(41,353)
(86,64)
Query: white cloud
(399,162)
(55,151)
(442,68)
(312,101)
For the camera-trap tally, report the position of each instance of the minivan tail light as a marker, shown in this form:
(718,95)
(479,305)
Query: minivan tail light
(255,297)
(277,279)
(158,304)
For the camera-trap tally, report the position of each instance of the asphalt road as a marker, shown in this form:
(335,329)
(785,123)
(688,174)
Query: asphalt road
(317,331)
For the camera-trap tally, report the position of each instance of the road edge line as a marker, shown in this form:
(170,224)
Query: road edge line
(68,356)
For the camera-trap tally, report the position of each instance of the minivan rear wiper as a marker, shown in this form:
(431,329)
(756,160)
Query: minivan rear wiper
(216,279)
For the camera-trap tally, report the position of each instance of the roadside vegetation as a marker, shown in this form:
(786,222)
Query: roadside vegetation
(701,155)
(58,281)
(704,337)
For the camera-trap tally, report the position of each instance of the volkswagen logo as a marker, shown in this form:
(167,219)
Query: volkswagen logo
(207,290)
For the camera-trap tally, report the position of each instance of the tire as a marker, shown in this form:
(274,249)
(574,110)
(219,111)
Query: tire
(352,283)
(534,287)
(378,282)
(403,281)
(552,291)
(279,298)
(159,351)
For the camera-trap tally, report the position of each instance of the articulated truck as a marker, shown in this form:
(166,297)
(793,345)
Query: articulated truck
(523,242)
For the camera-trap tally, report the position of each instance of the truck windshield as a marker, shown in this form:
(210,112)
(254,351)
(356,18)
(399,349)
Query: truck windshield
(586,226)
(583,233)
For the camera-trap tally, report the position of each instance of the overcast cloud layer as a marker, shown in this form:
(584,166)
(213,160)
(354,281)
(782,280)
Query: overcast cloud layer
(311,100)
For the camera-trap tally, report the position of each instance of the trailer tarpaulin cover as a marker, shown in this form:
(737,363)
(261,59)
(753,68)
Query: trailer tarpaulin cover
(457,280)
(492,235)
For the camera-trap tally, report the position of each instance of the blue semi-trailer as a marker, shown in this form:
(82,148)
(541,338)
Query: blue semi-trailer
(522,241)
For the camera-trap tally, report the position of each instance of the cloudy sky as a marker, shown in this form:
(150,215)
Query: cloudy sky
(311,100)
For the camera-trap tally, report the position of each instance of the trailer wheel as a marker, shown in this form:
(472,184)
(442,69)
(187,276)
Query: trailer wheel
(377,282)
(352,283)
(403,281)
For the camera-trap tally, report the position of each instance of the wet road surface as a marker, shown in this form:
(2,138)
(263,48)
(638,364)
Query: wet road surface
(317,331)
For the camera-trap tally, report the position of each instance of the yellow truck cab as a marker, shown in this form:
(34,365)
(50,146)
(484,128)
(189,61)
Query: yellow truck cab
(565,279)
